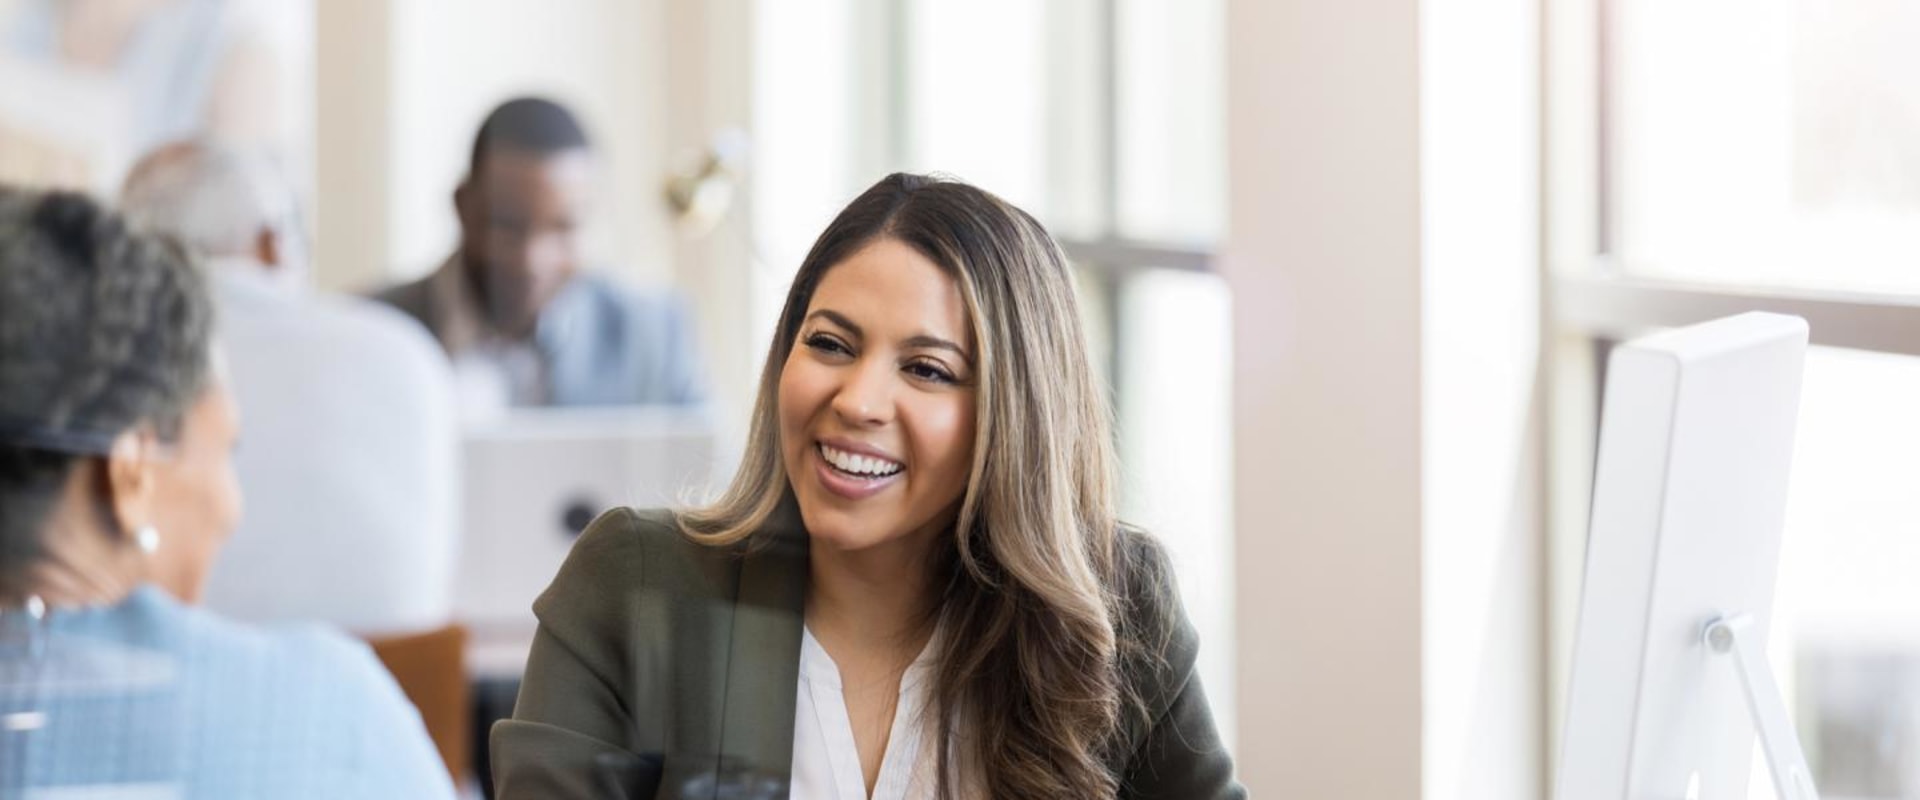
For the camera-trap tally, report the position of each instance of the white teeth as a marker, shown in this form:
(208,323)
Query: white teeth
(858,464)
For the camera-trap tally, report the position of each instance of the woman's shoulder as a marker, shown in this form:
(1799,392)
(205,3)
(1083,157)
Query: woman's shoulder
(201,635)
(627,553)
(308,674)
(1148,592)
(1169,745)
(286,656)
(286,702)
(1158,644)
(319,692)
(618,538)
(626,543)
(630,532)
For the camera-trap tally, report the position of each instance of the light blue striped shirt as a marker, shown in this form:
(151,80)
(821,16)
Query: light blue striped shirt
(154,699)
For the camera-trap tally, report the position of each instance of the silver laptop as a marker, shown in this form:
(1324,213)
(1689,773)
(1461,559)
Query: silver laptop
(535,478)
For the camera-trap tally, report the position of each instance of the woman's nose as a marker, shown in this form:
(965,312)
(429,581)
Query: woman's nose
(866,398)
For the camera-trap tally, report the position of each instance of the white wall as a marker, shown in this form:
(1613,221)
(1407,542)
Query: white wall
(353,65)
(1382,255)
(1323,259)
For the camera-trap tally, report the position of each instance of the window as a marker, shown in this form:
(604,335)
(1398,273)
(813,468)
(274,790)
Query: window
(1714,157)
(1847,627)
(1768,143)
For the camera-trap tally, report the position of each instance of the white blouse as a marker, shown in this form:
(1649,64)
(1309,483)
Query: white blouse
(826,764)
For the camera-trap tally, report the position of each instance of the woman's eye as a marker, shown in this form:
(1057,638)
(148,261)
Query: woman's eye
(931,372)
(823,343)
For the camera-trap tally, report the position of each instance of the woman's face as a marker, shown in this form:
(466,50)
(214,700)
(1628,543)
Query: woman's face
(877,401)
(196,497)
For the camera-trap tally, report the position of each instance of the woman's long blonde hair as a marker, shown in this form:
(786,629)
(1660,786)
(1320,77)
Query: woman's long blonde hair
(1034,618)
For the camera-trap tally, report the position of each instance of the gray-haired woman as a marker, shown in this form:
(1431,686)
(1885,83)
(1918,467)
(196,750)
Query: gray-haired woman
(116,491)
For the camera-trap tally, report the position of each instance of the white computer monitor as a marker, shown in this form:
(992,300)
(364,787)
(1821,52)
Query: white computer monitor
(1689,498)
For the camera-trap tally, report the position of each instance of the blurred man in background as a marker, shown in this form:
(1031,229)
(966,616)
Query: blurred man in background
(349,428)
(523,324)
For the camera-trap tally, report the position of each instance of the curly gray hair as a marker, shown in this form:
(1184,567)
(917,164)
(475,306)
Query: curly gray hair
(101,330)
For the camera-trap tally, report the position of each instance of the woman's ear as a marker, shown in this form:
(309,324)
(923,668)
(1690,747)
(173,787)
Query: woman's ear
(130,480)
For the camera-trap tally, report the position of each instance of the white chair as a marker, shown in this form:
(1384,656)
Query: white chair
(348,461)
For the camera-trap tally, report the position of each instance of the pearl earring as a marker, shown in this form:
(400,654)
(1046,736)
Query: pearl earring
(147,538)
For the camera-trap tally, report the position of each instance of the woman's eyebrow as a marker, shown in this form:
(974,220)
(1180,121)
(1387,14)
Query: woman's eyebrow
(925,341)
(839,319)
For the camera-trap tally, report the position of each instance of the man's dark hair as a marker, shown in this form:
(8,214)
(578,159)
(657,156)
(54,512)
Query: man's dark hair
(102,330)
(528,124)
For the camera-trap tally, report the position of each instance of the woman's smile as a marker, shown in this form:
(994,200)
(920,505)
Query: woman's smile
(853,475)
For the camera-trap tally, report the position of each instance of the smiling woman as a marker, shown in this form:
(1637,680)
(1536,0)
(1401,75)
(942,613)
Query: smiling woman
(915,586)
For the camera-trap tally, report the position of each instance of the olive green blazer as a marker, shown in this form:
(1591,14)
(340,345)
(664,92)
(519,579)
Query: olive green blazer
(668,669)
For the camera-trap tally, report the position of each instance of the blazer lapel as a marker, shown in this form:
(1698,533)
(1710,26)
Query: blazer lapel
(763,663)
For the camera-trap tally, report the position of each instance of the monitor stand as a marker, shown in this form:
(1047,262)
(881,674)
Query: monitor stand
(1733,636)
